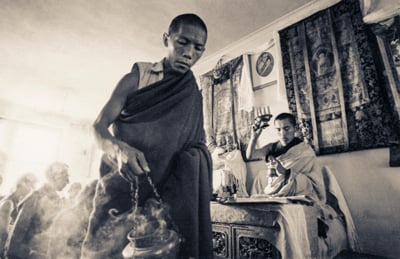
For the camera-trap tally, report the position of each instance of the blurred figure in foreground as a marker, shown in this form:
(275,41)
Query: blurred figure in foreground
(9,206)
(69,226)
(29,235)
(73,194)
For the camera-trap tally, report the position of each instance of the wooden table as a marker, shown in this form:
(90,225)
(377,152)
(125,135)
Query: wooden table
(264,230)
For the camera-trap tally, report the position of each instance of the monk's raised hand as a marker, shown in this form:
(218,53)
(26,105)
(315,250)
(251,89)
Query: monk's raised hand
(259,124)
(262,118)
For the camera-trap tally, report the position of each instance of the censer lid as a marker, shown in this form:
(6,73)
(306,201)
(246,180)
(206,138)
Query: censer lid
(161,245)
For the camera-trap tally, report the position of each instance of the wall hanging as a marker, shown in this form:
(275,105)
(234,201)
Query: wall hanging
(332,81)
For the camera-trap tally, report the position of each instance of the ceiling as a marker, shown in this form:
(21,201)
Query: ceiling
(67,56)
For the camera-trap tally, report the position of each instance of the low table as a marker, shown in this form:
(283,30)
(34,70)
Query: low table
(270,230)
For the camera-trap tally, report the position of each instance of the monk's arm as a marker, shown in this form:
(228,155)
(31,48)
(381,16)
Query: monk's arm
(256,153)
(110,112)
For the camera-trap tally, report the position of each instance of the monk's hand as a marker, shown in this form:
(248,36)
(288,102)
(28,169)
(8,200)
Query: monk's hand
(275,164)
(135,161)
(258,125)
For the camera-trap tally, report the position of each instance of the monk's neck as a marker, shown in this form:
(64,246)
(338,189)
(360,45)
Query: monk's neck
(167,69)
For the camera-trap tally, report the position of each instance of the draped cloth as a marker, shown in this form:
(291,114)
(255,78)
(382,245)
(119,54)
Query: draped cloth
(229,168)
(332,187)
(300,160)
(164,120)
(246,96)
(308,178)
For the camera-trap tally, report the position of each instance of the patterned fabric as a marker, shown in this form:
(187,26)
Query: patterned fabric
(332,81)
(223,118)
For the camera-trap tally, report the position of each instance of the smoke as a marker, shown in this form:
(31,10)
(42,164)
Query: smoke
(63,230)
(144,226)
(150,219)
(68,228)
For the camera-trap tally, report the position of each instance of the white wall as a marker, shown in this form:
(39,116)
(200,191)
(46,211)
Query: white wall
(32,139)
(372,190)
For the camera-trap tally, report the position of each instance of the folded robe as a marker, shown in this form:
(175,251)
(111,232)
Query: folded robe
(300,160)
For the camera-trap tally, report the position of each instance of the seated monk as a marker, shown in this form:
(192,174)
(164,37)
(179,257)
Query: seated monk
(288,161)
(292,170)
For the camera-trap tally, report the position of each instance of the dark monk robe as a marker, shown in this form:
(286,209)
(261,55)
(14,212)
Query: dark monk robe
(165,121)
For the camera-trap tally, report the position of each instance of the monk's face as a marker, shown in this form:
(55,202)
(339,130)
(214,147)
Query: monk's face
(185,46)
(286,131)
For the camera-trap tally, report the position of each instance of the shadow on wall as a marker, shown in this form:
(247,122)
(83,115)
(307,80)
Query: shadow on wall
(372,191)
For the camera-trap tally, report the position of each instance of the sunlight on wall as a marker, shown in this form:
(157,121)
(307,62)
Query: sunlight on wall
(30,148)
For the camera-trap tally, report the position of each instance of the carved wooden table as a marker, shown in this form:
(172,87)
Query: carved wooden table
(264,230)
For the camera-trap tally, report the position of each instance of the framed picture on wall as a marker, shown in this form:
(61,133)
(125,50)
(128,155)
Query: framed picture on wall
(262,68)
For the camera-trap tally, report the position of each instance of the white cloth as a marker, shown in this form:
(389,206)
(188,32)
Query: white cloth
(246,95)
(229,166)
(237,167)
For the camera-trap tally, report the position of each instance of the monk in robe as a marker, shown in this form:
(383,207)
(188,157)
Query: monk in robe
(288,160)
(152,126)
(293,170)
